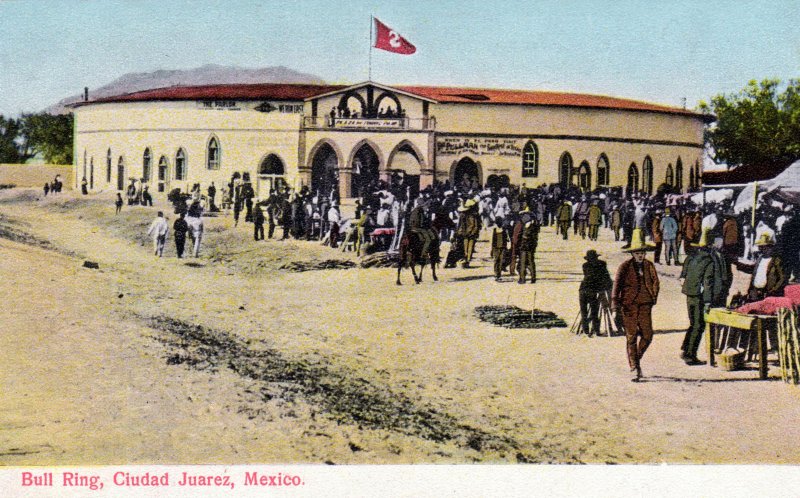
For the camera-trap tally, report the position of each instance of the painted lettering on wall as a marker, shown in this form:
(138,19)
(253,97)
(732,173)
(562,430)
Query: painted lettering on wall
(367,123)
(453,146)
(229,105)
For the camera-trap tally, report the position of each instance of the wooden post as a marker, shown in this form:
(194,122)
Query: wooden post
(762,349)
(710,329)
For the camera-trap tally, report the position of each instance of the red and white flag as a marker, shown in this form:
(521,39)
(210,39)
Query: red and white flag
(388,39)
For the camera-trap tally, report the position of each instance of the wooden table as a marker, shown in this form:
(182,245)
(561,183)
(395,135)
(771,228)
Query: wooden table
(757,323)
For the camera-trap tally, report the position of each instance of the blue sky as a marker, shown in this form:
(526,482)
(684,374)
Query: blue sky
(656,51)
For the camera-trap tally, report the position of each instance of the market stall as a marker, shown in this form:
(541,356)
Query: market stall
(742,334)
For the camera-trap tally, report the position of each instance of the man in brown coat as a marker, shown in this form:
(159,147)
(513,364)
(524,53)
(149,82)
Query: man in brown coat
(469,228)
(634,295)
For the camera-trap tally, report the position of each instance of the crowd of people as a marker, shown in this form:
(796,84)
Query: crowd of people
(708,241)
(53,187)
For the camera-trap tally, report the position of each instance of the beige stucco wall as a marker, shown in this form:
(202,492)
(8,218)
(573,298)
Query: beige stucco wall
(581,132)
(247,136)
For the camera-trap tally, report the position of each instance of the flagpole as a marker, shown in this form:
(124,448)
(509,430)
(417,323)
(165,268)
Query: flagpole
(371,24)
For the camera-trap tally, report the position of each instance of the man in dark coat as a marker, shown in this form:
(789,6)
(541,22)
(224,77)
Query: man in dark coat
(700,284)
(212,193)
(499,246)
(596,283)
(528,244)
(258,223)
(180,227)
(634,294)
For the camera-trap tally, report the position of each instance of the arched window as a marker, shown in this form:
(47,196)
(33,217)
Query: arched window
(530,160)
(565,169)
(213,156)
(180,164)
(603,171)
(121,173)
(163,174)
(585,176)
(108,166)
(271,165)
(647,173)
(147,163)
(633,179)
(698,177)
(679,175)
(669,178)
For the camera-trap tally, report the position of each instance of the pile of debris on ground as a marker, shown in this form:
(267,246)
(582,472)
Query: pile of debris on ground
(512,317)
(328,264)
(380,260)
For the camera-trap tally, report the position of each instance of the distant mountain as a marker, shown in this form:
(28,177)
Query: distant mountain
(209,74)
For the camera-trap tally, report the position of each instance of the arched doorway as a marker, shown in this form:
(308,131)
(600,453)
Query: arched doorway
(365,167)
(633,179)
(603,171)
(324,170)
(270,176)
(565,169)
(405,168)
(465,171)
(585,176)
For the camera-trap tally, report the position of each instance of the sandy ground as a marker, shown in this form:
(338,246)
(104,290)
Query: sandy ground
(227,359)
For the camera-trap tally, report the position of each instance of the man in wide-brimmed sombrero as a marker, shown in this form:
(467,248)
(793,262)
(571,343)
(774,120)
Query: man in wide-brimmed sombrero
(769,277)
(634,294)
(703,286)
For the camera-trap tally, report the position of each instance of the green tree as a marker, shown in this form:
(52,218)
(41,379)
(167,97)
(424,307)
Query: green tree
(758,125)
(12,146)
(50,135)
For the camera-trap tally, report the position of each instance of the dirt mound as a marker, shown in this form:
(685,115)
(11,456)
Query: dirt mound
(512,317)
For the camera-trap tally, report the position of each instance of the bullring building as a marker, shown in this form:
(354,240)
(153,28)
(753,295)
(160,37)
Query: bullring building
(344,137)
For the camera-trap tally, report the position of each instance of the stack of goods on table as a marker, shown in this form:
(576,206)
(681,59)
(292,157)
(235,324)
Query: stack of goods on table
(788,339)
(771,305)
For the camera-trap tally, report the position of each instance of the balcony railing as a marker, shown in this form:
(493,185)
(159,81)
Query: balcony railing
(327,122)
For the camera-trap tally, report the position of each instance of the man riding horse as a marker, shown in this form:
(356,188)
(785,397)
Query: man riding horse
(420,244)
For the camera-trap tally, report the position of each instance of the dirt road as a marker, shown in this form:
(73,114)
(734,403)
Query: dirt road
(226,359)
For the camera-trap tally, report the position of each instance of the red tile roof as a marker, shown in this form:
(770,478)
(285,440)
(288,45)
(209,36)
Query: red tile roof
(291,91)
(529,97)
(271,91)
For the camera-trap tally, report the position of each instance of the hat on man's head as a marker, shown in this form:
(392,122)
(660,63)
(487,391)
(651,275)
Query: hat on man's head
(591,255)
(638,243)
(765,240)
(468,204)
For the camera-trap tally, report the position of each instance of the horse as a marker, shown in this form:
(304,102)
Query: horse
(411,254)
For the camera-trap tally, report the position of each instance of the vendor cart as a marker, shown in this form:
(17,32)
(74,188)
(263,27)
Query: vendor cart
(757,326)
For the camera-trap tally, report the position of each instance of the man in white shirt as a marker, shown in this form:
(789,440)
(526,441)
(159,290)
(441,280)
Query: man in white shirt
(159,229)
